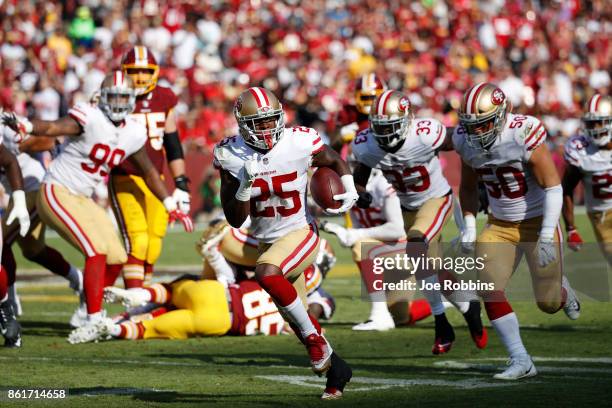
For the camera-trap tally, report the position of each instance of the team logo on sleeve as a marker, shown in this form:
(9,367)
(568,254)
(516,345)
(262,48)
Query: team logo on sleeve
(497,98)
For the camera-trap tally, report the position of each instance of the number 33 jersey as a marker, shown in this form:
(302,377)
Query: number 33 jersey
(595,164)
(514,194)
(414,170)
(85,160)
(278,196)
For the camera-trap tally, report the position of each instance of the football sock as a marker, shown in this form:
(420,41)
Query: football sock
(133,273)
(9,265)
(129,330)
(287,300)
(3,283)
(73,279)
(433,296)
(419,310)
(148,274)
(93,282)
(459,298)
(368,277)
(507,328)
(112,273)
(378,309)
(157,293)
(52,260)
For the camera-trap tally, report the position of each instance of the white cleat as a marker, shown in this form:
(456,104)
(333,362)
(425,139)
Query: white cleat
(79,317)
(381,323)
(84,334)
(520,366)
(572,304)
(129,298)
(105,327)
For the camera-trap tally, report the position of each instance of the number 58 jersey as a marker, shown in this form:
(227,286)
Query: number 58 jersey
(514,195)
(85,160)
(278,196)
(414,170)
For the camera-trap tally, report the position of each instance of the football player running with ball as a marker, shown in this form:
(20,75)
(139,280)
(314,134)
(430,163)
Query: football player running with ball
(98,138)
(509,154)
(264,175)
(405,150)
(589,159)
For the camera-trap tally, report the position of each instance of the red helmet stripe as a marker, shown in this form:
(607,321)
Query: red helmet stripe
(470,104)
(382,102)
(265,95)
(257,95)
(118,78)
(594,103)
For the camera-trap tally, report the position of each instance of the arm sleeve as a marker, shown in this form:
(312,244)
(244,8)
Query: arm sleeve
(172,145)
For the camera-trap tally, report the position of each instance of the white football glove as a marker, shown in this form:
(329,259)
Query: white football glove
(183,200)
(19,213)
(348,198)
(468,233)
(547,251)
(21,126)
(247,176)
(348,132)
(346,236)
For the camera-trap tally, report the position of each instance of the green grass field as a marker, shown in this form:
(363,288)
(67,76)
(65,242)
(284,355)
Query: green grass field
(394,368)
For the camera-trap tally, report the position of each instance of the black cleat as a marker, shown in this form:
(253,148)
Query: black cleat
(338,375)
(445,335)
(474,322)
(9,326)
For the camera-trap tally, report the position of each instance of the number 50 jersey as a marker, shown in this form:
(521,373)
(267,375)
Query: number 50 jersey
(86,159)
(414,170)
(514,194)
(278,196)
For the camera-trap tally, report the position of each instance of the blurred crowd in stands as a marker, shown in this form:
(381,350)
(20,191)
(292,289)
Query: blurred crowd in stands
(549,56)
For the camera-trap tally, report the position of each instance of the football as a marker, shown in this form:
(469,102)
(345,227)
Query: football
(326,183)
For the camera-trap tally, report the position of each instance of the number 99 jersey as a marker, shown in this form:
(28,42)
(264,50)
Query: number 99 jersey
(85,160)
(278,196)
(513,192)
(414,170)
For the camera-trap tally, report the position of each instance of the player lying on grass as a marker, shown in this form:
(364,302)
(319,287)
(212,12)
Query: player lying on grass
(589,159)
(99,137)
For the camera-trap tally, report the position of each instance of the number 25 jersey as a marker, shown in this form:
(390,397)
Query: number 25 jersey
(278,196)
(514,194)
(86,159)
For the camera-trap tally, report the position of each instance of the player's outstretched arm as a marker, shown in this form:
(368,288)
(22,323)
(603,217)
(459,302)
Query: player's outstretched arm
(66,126)
(447,144)
(236,211)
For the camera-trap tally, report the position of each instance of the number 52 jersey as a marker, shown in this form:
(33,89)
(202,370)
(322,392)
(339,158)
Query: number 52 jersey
(85,160)
(514,194)
(278,196)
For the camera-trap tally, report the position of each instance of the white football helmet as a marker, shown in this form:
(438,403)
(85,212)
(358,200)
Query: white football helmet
(598,119)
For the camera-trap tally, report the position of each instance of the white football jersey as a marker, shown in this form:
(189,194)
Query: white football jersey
(31,169)
(278,196)
(595,164)
(85,160)
(414,170)
(514,194)
(381,190)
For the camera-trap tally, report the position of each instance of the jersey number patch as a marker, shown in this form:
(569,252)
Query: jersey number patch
(100,155)
(502,184)
(155,123)
(261,313)
(601,183)
(410,179)
(277,188)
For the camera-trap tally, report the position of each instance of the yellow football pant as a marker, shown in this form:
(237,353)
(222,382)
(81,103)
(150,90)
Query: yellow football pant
(202,311)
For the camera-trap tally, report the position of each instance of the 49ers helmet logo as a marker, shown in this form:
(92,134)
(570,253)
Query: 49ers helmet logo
(403,104)
(498,97)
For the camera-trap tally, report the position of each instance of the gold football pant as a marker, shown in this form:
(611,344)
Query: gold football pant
(142,220)
(81,222)
(236,247)
(501,246)
(202,310)
(602,226)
